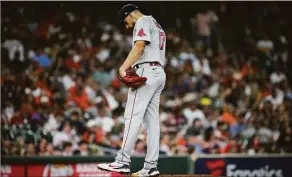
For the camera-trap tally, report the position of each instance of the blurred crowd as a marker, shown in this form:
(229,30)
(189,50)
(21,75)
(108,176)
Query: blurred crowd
(60,94)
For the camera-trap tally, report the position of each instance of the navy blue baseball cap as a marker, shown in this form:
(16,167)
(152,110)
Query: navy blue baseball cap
(126,10)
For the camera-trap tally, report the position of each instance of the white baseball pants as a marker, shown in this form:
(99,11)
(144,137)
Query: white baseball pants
(143,107)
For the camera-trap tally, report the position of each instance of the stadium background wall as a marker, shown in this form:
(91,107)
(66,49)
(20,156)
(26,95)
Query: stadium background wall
(204,164)
(167,165)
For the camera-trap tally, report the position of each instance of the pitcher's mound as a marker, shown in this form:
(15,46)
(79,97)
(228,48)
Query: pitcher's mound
(185,176)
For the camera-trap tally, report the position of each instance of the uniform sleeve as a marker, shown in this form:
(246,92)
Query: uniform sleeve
(142,30)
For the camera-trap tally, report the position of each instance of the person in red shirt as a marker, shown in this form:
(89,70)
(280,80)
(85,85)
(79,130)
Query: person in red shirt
(232,147)
(78,95)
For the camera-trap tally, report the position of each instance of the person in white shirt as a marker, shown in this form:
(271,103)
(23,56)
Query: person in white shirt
(277,77)
(276,97)
(203,21)
(13,46)
(107,123)
(164,145)
(192,112)
(202,66)
(265,45)
(62,136)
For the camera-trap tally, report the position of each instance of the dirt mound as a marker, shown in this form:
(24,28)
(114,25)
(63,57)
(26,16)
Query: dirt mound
(185,176)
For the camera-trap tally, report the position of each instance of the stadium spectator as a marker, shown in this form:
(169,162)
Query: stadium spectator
(59,83)
(67,149)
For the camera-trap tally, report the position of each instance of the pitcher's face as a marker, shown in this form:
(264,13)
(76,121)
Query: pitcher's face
(129,22)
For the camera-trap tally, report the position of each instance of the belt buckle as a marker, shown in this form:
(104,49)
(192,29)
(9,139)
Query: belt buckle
(155,64)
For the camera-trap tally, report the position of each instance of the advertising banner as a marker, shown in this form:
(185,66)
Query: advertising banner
(245,166)
(56,170)
(12,170)
(74,166)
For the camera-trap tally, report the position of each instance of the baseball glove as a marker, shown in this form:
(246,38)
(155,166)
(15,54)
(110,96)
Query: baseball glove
(132,79)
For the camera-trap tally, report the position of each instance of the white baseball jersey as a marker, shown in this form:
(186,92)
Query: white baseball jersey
(147,29)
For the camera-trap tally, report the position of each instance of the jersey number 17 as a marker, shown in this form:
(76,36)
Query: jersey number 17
(162,39)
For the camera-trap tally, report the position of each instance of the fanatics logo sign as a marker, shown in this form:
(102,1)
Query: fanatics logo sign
(216,167)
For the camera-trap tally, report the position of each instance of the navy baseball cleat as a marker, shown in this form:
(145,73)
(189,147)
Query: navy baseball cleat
(114,167)
(144,172)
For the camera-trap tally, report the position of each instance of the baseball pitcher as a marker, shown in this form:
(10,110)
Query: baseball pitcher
(143,73)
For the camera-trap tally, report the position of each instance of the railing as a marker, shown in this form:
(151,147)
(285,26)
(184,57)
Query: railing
(103,149)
